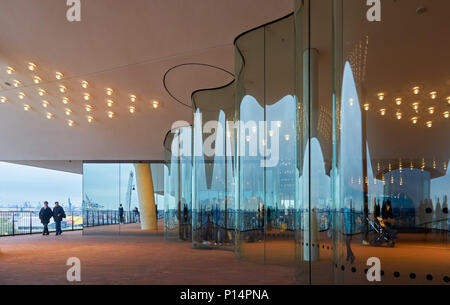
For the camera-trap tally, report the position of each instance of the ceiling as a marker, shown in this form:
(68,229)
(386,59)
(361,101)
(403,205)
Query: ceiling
(124,45)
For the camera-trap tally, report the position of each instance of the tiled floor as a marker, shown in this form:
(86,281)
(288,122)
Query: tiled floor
(126,259)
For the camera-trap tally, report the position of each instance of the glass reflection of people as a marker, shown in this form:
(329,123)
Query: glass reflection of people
(218,234)
(121,218)
(387,214)
(348,231)
(185,222)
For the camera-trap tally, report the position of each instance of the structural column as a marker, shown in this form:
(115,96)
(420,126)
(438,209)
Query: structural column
(146,196)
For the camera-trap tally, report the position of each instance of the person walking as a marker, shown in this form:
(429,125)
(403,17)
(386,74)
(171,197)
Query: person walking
(45,214)
(58,215)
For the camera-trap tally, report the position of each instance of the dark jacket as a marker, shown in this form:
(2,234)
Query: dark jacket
(121,211)
(45,214)
(58,210)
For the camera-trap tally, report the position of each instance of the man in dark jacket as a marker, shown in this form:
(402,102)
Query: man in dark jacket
(45,214)
(121,218)
(58,215)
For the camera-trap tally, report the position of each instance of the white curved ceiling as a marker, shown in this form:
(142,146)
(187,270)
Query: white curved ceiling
(124,45)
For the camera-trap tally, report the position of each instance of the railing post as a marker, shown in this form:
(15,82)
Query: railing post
(31,223)
(13,231)
(72,222)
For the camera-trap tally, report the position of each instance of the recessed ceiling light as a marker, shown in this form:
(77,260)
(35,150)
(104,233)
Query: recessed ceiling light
(448,99)
(86,96)
(26,107)
(133,98)
(90,119)
(49,115)
(22,95)
(415,106)
(433,95)
(398,115)
(110,114)
(109,91)
(155,104)
(446,114)
(62,88)
(132,109)
(109,103)
(42,92)
(430,124)
(431,110)
(88,108)
(84,84)
(3,99)
(37,79)
(398,101)
(32,66)
(68,111)
(70,123)
(17,83)
(59,75)
(414,120)
(65,100)
(366,107)
(383,111)
(380,96)
(10,70)
(45,104)
(416,90)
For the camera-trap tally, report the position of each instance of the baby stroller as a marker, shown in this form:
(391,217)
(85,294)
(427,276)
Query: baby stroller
(382,234)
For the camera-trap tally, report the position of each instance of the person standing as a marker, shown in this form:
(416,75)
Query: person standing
(58,215)
(121,214)
(45,214)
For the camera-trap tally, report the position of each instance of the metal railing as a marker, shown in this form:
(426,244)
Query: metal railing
(28,222)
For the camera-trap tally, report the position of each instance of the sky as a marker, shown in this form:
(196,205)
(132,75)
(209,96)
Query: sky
(21,183)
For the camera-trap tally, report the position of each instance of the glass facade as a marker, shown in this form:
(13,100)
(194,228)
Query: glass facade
(106,186)
(329,148)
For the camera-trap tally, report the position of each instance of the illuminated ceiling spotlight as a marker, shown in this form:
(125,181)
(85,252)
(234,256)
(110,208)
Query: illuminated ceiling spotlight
(448,99)
(132,109)
(433,95)
(381,96)
(49,115)
(110,114)
(446,114)
(68,111)
(416,90)
(133,98)
(10,70)
(42,92)
(59,75)
(287,137)
(84,84)
(109,91)
(430,124)
(26,107)
(415,106)
(70,123)
(45,104)
(350,101)
(86,96)
(383,111)
(65,100)
(32,66)
(270,133)
(155,104)
(247,138)
(3,99)
(398,115)
(109,103)
(431,110)
(37,79)
(90,118)
(366,107)
(17,83)
(88,108)
(62,89)
(414,120)
(398,101)
(22,95)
